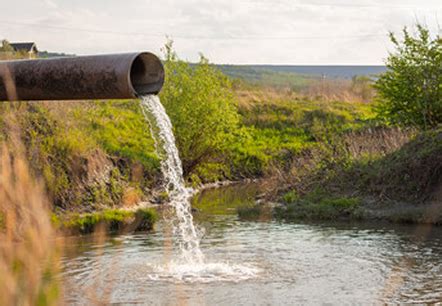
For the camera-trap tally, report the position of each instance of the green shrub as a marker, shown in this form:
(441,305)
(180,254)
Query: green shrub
(290,197)
(113,220)
(145,218)
(313,207)
(410,93)
(409,174)
(201,106)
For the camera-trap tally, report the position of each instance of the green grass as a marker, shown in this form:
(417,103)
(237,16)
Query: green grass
(69,143)
(114,220)
(318,205)
(145,218)
(120,128)
(290,197)
(277,128)
(410,174)
(269,129)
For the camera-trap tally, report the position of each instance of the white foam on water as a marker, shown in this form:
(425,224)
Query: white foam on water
(202,273)
(191,267)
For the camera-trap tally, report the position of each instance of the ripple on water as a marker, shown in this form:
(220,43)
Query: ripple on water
(262,264)
(202,273)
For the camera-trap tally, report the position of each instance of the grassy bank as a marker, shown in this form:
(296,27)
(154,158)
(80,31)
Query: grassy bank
(94,155)
(401,186)
(325,146)
(109,220)
(91,155)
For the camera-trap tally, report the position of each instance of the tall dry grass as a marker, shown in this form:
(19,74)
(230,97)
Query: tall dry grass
(28,252)
(376,142)
(358,89)
(303,174)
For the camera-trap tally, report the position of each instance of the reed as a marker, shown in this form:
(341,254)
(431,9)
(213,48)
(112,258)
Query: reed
(28,250)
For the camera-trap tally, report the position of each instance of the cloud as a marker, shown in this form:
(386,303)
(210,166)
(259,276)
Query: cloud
(227,31)
(51,4)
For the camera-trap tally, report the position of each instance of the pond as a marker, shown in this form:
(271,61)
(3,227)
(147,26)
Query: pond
(259,263)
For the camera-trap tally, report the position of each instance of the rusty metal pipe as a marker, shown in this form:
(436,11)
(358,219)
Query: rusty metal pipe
(114,76)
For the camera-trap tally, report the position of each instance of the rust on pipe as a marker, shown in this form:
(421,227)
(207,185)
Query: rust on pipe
(114,76)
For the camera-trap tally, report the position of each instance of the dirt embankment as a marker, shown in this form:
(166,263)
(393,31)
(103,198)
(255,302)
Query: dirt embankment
(400,185)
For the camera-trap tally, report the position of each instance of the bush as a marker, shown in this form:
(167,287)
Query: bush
(200,103)
(145,218)
(318,206)
(410,93)
(86,223)
(290,197)
(409,174)
(114,220)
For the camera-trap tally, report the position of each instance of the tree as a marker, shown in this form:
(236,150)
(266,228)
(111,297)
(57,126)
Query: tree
(410,92)
(199,100)
(6,47)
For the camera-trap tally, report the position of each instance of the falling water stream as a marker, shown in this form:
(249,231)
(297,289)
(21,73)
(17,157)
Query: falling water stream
(171,167)
(191,264)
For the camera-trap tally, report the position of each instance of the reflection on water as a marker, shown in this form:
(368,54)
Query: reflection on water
(288,264)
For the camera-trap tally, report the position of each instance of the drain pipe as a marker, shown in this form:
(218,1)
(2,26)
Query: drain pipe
(114,76)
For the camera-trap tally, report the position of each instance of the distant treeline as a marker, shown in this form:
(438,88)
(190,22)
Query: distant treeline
(46,54)
(328,71)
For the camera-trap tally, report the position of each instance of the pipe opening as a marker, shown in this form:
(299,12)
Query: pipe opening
(146,74)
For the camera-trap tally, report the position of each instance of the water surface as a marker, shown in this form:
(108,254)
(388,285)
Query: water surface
(260,263)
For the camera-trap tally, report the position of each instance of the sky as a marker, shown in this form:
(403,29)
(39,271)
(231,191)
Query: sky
(297,32)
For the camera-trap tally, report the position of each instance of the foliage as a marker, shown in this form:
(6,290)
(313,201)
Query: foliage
(410,92)
(290,197)
(120,128)
(86,223)
(145,218)
(6,47)
(278,127)
(319,205)
(52,147)
(202,109)
(113,219)
(7,52)
(411,173)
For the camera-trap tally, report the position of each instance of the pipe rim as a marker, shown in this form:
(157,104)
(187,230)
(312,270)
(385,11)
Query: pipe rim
(146,74)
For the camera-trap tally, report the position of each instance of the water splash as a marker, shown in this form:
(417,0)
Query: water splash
(171,167)
(191,267)
(204,273)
